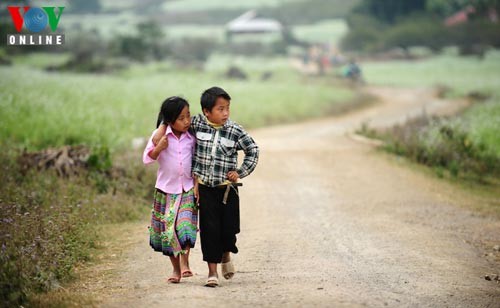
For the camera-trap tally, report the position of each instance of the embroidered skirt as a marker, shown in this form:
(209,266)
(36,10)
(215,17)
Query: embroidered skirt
(174,220)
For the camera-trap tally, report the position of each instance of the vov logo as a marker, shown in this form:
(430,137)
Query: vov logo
(35,20)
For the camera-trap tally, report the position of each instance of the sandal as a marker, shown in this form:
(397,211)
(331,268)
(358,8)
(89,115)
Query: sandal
(174,279)
(228,270)
(186,273)
(212,282)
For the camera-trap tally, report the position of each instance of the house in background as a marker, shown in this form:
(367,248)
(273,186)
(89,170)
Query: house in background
(249,23)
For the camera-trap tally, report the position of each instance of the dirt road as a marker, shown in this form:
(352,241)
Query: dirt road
(328,221)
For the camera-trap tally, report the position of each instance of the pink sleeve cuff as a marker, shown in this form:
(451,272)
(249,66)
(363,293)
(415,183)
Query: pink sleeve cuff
(146,159)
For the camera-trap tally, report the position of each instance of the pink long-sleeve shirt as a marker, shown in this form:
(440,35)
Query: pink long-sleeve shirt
(174,174)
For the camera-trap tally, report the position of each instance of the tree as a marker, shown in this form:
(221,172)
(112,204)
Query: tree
(448,7)
(483,6)
(378,25)
(147,43)
(389,10)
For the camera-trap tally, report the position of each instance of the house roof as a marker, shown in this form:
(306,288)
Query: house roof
(248,23)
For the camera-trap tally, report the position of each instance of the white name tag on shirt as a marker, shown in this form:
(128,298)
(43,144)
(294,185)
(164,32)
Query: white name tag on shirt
(226,142)
(203,136)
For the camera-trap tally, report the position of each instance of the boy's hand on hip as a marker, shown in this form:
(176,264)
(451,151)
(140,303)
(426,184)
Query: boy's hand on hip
(162,129)
(233,176)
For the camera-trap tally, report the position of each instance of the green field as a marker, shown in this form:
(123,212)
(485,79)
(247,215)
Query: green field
(212,32)
(461,74)
(326,31)
(53,109)
(479,126)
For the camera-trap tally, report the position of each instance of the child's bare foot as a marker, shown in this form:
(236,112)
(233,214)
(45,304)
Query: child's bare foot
(175,277)
(187,273)
(176,273)
(184,265)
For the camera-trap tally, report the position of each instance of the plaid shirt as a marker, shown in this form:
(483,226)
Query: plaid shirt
(216,151)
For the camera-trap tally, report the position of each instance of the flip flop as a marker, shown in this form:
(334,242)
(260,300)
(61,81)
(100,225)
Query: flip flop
(186,273)
(174,279)
(228,270)
(212,282)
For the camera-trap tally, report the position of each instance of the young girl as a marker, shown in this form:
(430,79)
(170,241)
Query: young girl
(174,215)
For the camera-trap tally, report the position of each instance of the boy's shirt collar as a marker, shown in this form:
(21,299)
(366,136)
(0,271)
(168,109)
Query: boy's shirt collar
(216,126)
(213,125)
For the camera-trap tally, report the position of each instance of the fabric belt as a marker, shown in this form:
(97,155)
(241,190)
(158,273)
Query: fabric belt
(227,188)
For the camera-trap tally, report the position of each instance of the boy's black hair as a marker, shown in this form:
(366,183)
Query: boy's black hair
(171,109)
(210,96)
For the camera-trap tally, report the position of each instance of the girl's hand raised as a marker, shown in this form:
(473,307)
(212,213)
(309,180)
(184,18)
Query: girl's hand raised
(163,143)
(162,130)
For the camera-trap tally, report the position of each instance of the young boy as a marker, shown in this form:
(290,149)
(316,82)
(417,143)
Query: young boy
(216,168)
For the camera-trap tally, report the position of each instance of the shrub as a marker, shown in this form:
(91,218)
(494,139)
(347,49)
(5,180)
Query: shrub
(475,37)
(422,31)
(192,50)
(364,35)
(445,144)
(44,232)
(147,43)
(49,224)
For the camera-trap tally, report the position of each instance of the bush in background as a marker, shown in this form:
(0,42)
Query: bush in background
(462,146)
(147,44)
(475,37)
(364,34)
(50,224)
(191,50)
(384,25)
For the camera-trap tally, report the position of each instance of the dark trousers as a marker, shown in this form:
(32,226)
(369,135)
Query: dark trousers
(219,222)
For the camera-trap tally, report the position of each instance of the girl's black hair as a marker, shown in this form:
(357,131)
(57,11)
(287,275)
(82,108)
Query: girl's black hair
(171,109)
